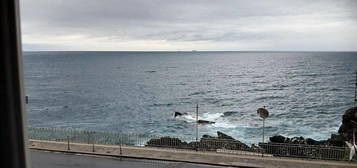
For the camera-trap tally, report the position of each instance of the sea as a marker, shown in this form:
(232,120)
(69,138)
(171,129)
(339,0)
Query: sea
(306,93)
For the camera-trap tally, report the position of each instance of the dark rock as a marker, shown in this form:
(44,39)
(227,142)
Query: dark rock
(179,114)
(346,129)
(277,139)
(311,141)
(336,140)
(167,142)
(229,113)
(301,147)
(207,136)
(293,140)
(205,122)
(221,135)
(298,140)
(206,143)
(150,71)
(223,141)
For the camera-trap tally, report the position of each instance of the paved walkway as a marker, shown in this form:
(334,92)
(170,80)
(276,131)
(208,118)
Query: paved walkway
(42,159)
(212,158)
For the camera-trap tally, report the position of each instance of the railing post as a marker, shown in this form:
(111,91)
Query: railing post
(88,138)
(68,148)
(93,145)
(120,144)
(263,149)
(197,127)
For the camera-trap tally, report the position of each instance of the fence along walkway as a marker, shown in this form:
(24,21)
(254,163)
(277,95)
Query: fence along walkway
(188,143)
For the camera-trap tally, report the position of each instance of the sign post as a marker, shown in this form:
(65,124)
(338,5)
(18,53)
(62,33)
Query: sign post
(356,89)
(196,122)
(263,113)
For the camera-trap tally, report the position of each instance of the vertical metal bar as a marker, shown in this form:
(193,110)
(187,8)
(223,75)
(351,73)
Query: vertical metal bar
(196,122)
(93,150)
(68,148)
(88,140)
(263,128)
(120,149)
(93,146)
(354,137)
(197,127)
(356,89)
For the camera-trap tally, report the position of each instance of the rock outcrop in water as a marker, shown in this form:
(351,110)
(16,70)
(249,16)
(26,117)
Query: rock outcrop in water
(222,135)
(205,122)
(177,114)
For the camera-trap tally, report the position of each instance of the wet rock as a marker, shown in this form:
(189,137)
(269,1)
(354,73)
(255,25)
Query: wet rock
(205,122)
(310,141)
(222,135)
(206,143)
(282,139)
(301,147)
(277,139)
(207,136)
(294,140)
(167,142)
(179,114)
(222,141)
(336,140)
(229,113)
(348,120)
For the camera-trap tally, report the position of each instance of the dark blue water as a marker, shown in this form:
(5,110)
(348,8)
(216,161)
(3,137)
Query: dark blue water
(306,93)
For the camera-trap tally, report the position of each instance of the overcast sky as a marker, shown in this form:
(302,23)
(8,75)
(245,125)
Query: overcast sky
(123,25)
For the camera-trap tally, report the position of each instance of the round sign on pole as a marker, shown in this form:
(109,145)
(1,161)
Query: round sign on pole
(263,113)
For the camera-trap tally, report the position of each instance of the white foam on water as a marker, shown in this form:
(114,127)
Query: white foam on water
(188,118)
(224,124)
(211,116)
(215,117)
(205,116)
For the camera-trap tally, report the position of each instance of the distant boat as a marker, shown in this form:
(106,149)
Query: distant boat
(194,51)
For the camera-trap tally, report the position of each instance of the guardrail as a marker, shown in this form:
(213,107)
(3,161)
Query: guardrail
(306,151)
(189,143)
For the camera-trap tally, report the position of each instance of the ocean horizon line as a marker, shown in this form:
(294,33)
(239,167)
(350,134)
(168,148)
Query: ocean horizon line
(188,51)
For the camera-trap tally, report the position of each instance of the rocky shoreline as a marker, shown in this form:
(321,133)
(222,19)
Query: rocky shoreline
(224,141)
(345,133)
(206,142)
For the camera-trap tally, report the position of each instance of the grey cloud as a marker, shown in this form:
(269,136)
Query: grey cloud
(183,20)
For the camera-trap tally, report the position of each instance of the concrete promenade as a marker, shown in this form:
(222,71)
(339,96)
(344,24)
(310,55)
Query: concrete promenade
(211,158)
(46,159)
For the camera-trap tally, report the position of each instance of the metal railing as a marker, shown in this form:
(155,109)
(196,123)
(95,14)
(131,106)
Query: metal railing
(306,151)
(189,143)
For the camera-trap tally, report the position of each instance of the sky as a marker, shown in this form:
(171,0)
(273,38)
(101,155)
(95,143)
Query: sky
(185,25)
